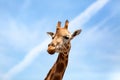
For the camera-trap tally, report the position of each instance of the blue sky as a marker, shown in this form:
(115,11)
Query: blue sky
(95,53)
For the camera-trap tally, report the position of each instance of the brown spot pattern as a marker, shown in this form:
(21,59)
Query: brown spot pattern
(67,56)
(60,67)
(61,56)
(67,47)
(65,52)
(66,62)
(57,77)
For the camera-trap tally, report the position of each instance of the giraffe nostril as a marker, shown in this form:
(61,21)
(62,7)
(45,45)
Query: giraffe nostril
(51,44)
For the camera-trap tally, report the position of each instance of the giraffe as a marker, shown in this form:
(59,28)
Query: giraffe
(61,45)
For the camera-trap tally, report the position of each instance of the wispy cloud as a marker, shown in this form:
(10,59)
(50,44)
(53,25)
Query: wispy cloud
(16,35)
(99,43)
(87,14)
(79,20)
(115,75)
(88,40)
(26,61)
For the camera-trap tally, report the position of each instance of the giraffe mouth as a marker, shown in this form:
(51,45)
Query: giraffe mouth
(51,50)
(58,49)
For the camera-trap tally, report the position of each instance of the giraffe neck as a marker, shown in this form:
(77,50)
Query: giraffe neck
(58,69)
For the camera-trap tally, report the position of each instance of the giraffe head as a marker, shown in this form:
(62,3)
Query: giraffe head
(61,38)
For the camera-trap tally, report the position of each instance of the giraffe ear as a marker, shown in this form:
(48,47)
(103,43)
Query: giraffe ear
(58,24)
(51,34)
(77,32)
(66,24)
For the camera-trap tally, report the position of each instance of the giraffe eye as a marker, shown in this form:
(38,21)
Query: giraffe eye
(66,37)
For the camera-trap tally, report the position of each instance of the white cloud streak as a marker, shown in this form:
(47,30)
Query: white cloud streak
(79,20)
(26,61)
(115,75)
(87,14)
(91,37)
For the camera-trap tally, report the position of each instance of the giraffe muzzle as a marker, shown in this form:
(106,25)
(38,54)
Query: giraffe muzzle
(51,50)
